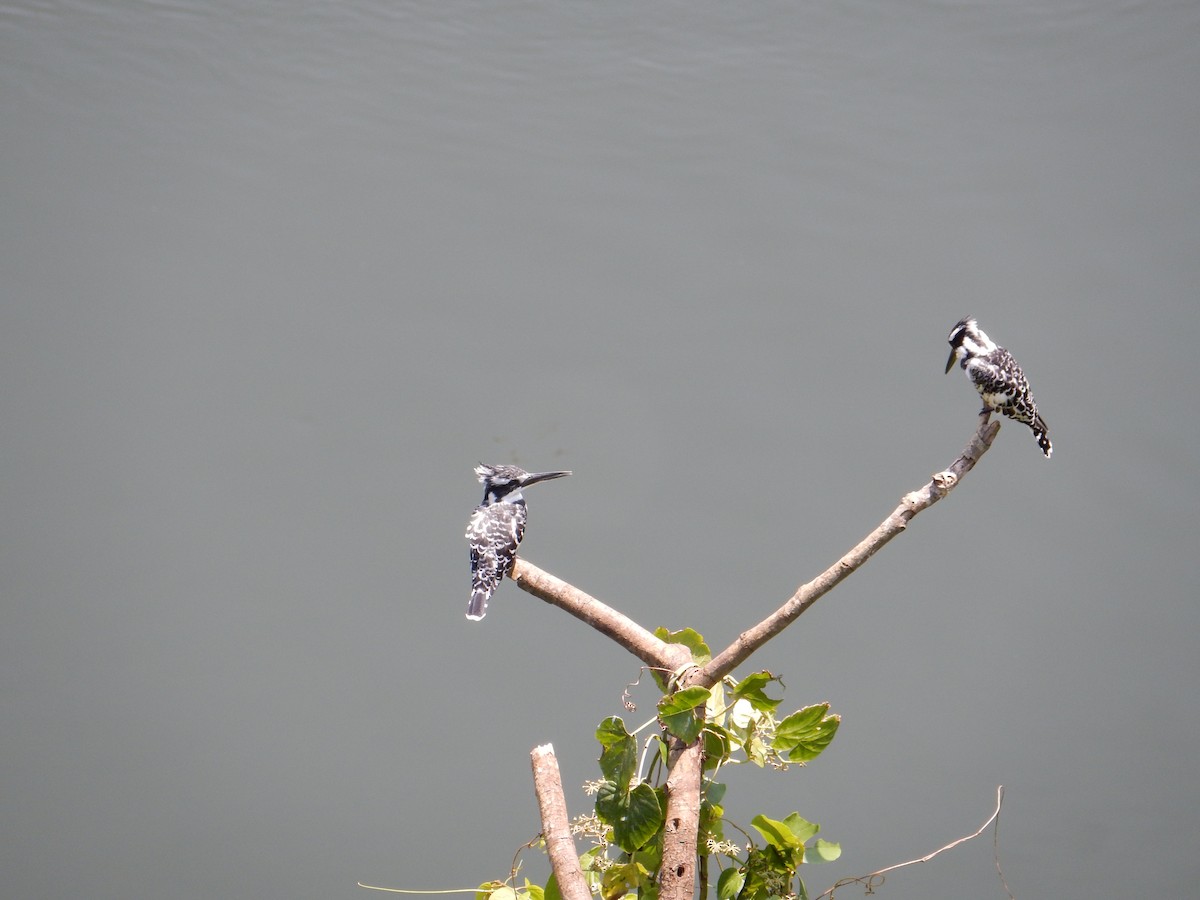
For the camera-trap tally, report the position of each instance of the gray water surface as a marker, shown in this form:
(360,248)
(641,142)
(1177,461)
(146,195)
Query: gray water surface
(276,276)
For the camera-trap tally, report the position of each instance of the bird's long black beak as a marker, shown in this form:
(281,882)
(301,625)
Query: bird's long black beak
(535,477)
(950,362)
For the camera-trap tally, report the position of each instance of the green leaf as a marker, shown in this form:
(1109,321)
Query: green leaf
(715,709)
(649,855)
(714,792)
(712,814)
(503,893)
(624,877)
(756,750)
(618,763)
(635,816)
(663,750)
(751,689)
(801,827)
(552,891)
(611,731)
(533,891)
(716,746)
(730,883)
(611,802)
(805,734)
(776,833)
(686,700)
(642,820)
(823,851)
(618,759)
(649,861)
(587,862)
(677,713)
(691,639)
(618,881)
(741,716)
(753,682)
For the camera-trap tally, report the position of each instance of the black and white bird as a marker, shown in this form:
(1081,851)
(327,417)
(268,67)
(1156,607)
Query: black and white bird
(496,529)
(997,377)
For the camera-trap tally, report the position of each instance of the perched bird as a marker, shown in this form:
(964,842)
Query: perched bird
(496,529)
(997,377)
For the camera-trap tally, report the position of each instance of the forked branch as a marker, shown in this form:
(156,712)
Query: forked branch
(677,875)
(656,653)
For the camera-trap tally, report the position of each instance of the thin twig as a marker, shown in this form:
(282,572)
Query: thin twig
(876,878)
(388,890)
(996,844)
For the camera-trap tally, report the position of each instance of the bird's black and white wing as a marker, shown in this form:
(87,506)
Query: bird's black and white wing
(494,533)
(1003,386)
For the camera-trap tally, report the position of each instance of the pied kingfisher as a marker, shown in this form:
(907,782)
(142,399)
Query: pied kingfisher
(496,529)
(997,377)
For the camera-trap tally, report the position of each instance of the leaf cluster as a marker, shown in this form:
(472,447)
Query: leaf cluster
(737,722)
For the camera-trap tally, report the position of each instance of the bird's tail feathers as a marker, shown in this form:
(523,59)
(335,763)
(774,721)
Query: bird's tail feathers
(477,607)
(1041,436)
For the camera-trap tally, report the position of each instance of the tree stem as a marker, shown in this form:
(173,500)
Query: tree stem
(556,827)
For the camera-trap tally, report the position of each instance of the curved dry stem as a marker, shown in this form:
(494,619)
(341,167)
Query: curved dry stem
(872,881)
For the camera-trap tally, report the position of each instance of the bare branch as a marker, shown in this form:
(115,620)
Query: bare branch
(556,827)
(938,487)
(626,632)
(876,878)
